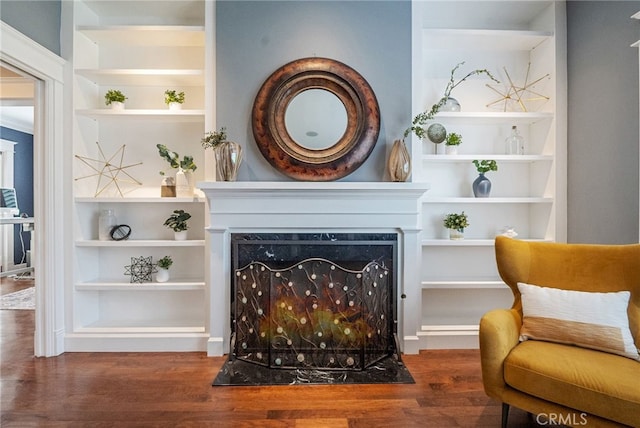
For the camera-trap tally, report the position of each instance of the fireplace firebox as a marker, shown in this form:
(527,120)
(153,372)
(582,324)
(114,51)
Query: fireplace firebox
(314,301)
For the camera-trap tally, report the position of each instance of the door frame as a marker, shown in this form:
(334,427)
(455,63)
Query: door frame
(52,185)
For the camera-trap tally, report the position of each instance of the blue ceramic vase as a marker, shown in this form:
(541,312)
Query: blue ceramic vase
(481,187)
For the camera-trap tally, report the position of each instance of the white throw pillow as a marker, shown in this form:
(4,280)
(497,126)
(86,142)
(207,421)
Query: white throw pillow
(587,319)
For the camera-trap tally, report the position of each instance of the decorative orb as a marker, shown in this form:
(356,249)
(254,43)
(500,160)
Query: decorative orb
(436,133)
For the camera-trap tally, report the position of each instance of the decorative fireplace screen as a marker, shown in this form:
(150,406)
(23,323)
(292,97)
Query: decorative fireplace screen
(315,312)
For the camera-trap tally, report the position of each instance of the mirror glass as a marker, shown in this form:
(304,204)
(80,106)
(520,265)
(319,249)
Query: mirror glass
(316,119)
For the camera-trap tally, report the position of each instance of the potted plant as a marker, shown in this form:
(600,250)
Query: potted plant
(456,223)
(228,154)
(163,269)
(184,183)
(173,99)
(452,141)
(446,102)
(178,223)
(115,99)
(482,185)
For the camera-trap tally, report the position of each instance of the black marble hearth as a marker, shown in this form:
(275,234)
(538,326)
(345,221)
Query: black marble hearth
(242,373)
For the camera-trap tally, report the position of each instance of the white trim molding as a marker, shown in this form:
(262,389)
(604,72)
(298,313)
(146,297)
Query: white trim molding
(52,202)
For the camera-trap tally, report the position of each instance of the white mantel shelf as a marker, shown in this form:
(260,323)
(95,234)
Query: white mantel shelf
(245,187)
(312,207)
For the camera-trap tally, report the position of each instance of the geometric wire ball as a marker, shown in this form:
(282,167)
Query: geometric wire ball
(314,314)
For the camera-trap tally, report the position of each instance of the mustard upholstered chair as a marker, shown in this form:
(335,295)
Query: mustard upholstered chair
(563,383)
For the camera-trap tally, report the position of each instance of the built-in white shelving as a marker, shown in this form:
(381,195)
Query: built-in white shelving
(460,281)
(144,114)
(145,35)
(142,49)
(142,243)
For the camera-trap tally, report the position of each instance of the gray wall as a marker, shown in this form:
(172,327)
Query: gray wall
(39,20)
(603,121)
(254,38)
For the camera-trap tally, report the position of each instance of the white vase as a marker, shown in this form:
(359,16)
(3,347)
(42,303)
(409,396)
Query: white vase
(456,234)
(451,150)
(184,184)
(180,236)
(117,105)
(162,275)
(175,106)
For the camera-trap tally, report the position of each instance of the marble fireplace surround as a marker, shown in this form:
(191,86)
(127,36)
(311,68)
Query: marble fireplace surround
(313,207)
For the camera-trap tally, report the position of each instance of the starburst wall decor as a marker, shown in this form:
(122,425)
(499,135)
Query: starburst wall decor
(107,169)
(518,95)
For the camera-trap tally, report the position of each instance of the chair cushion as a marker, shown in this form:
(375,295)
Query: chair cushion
(589,381)
(589,319)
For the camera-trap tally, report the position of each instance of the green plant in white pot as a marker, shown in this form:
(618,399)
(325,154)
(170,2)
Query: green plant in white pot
(115,99)
(456,223)
(184,182)
(163,269)
(173,99)
(452,141)
(178,223)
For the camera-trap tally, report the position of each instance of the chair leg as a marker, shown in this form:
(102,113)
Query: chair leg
(505,415)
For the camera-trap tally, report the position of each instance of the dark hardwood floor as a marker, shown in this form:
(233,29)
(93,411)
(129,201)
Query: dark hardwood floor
(174,390)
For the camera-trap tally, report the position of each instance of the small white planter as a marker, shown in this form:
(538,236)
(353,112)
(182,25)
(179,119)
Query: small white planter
(162,275)
(451,150)
(117,105)
(175,106)
(181,236)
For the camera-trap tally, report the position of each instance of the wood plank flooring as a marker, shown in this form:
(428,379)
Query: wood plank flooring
(174,390)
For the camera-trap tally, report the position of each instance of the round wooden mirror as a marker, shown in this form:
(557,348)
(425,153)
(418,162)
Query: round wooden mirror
(334,85)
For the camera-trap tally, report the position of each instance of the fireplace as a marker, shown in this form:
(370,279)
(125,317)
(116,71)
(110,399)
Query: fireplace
(314,301)
(326,209)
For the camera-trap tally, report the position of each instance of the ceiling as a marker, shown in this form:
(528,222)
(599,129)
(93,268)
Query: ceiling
(16,101)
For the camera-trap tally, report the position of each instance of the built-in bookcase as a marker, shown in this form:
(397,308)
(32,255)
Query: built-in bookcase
(141,49)
(460,281)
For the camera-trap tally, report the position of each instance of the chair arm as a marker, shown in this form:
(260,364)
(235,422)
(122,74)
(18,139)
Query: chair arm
(499,332)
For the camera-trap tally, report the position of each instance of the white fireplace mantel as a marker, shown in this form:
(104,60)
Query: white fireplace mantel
(297,207)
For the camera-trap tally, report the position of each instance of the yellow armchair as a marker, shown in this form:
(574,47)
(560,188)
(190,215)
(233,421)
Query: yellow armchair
(561,383)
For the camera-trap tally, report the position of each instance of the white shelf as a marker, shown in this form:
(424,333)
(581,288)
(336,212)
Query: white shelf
(469,242)
(144,77)
(492,117)
(475,285)
(175,285)
(483,40)
(490,200)
(147,327)
(458,242)
(146,35)
(141,243)
(151,114)
(446,329)
(500,158)
(137,200)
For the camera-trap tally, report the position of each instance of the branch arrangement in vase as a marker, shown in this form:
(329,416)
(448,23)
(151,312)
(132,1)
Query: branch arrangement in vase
(422,118)
(485,165)
(173,158)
